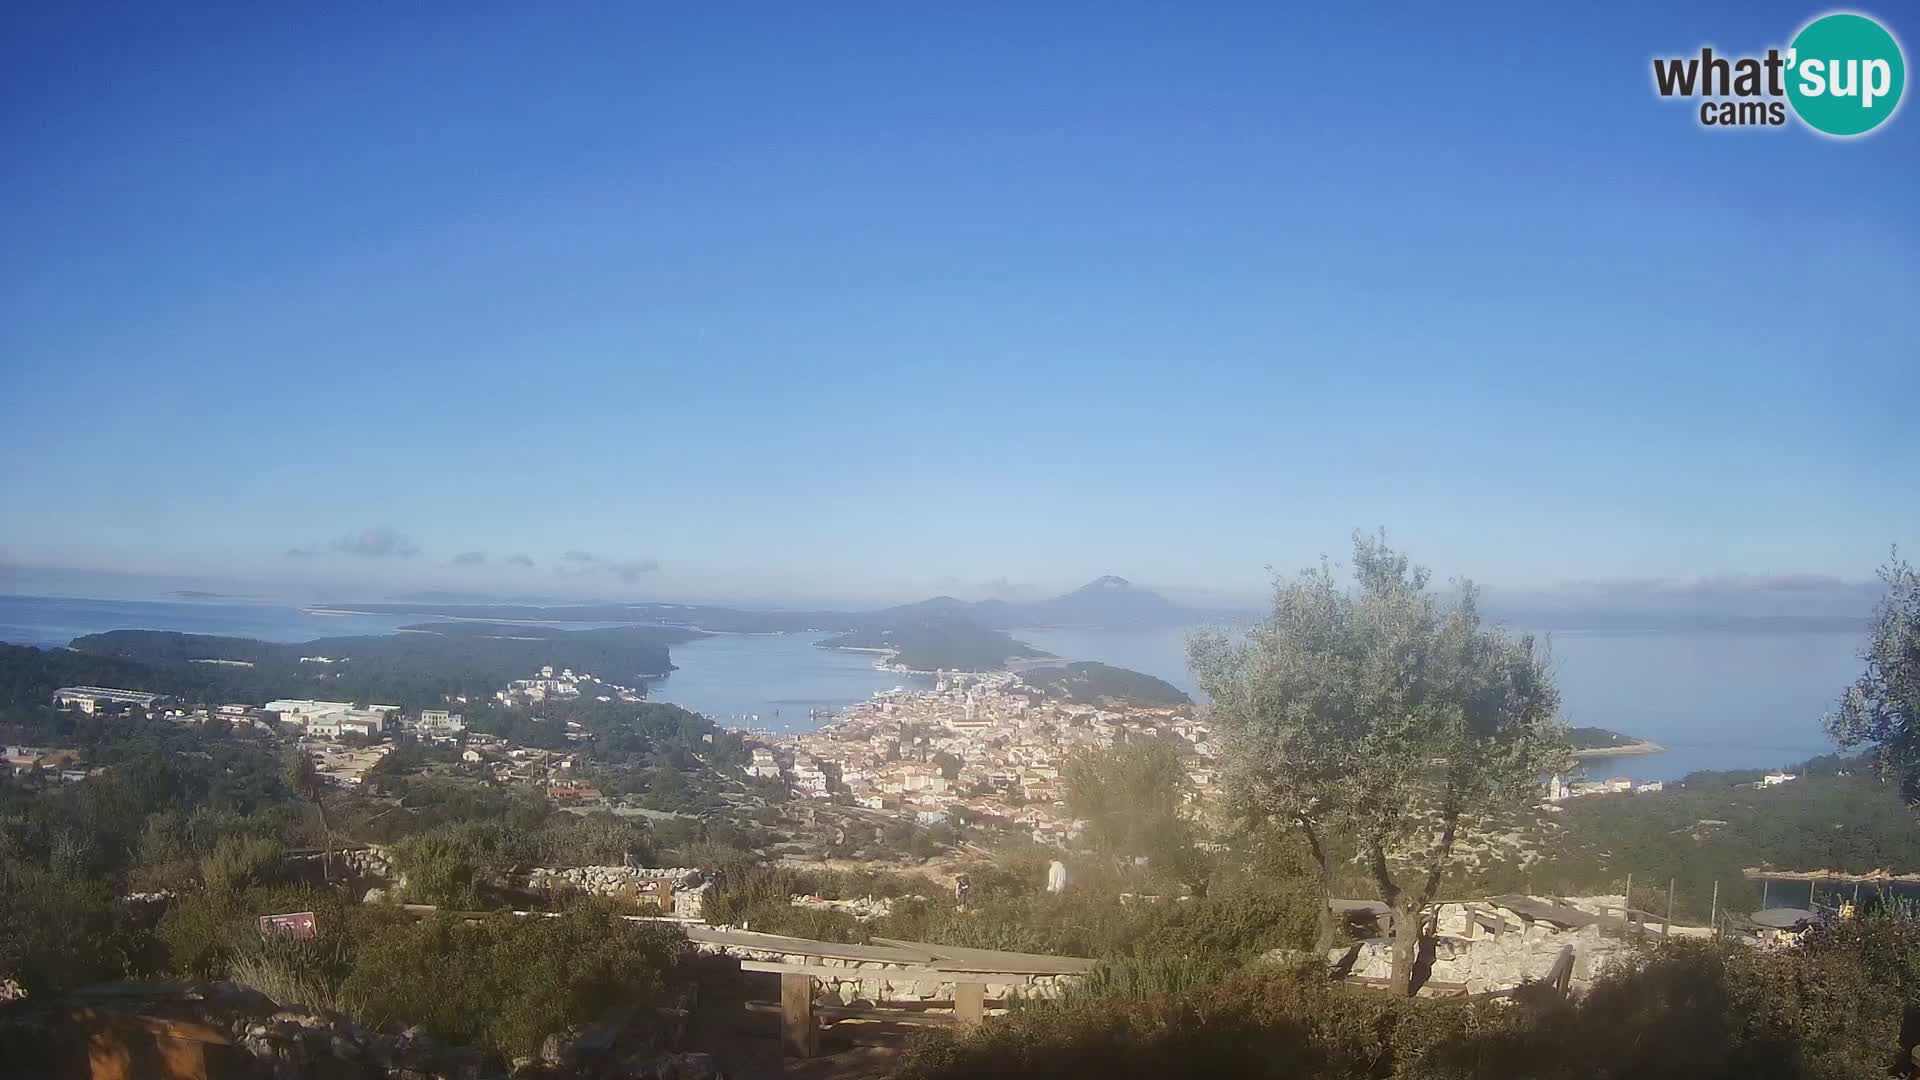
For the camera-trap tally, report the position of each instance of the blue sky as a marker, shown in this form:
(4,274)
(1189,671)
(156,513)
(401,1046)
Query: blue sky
(863,302)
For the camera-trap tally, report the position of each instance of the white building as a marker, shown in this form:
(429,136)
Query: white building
(1775,779)
(808,777)
(366,723)
(440,724)
(89,698)
(306,710)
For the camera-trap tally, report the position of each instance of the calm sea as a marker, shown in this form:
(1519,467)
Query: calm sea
(1715,699)
(772,681)
(57,620)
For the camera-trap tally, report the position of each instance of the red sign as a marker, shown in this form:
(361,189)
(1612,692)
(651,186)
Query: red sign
(298,925)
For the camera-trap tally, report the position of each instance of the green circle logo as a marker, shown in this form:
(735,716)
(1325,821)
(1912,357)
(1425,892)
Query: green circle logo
(1845,74)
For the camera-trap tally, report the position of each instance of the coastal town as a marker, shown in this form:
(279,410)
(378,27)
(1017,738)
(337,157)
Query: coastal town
(973,747)
(979,745)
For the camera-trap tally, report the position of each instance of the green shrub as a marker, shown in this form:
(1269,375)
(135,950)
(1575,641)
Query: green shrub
(593,840)
(1233,925)
(1830,1009)
(449,867)
(1137,979)
(505,982)
(292,971)
(56,931)
(239,863)
(1281,1025)
(203,932)
(761,889)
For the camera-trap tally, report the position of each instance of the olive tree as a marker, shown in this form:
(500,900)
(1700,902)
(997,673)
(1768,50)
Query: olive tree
(1383,720)
(1130,795)
(1882,708)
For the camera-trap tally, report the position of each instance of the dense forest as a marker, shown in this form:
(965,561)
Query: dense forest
(31,675)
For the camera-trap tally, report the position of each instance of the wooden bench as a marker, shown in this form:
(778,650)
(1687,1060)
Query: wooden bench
(801,1017)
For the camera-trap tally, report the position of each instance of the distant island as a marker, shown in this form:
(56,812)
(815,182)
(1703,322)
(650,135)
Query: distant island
(1105,602)
(1599,742)
(936,644)
(939,634)
(422,665)
(1091,683)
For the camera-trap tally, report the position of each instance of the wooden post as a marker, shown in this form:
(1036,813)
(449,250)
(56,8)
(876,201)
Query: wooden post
(1666,928)
(1626,901)
(969,1003)
(799,1037)
(1763,892)
(1713,920)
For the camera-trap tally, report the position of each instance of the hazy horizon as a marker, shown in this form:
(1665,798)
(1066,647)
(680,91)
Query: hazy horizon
(1728,597)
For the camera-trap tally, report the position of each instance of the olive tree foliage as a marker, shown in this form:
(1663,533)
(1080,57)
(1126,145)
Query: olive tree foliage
(1381,718)
(1130,795)
(1881,709)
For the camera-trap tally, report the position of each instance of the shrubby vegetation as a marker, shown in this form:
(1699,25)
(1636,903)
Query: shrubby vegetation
(1833,1008)
(506,982)
(1240,916)
(502,982)
(1836,816)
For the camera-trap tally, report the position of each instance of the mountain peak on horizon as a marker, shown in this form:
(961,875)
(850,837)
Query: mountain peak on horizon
(1109,600)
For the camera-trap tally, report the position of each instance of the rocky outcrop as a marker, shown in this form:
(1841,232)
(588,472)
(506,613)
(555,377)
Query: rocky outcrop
(293,1044)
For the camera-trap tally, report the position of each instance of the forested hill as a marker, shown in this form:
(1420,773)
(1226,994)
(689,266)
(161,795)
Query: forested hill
(420,665)
(938,644)
(29,676)
(1089,683)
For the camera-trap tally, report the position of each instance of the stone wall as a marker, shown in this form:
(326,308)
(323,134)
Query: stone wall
(878,981)
(368,865)
(1469,953)
(689,885)
(860,907)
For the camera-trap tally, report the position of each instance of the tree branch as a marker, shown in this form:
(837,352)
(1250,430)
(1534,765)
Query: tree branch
(1383,877)
(1452,817)
(1313,844)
